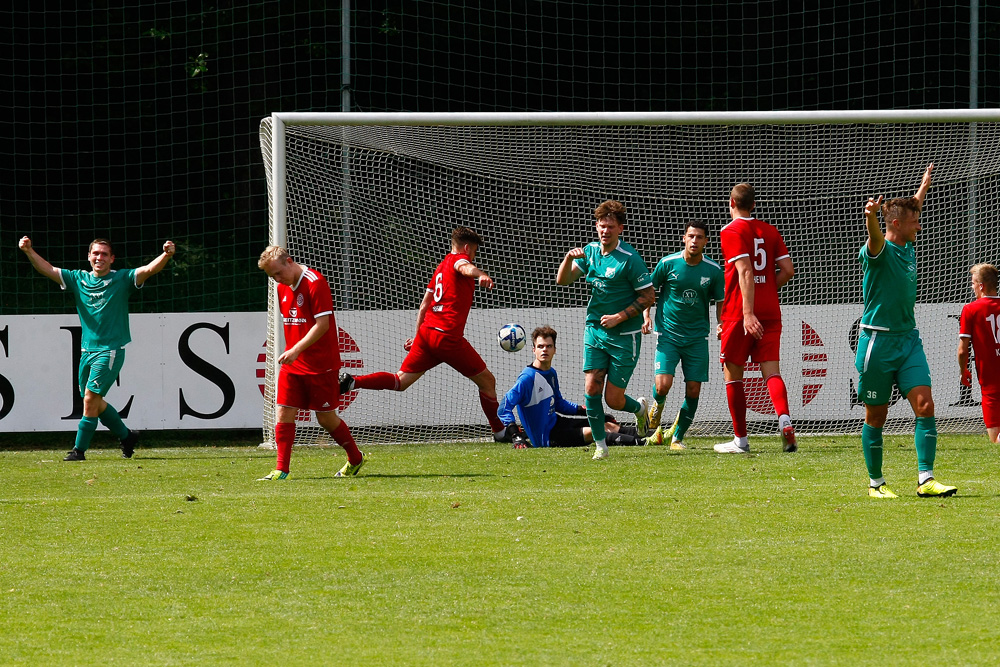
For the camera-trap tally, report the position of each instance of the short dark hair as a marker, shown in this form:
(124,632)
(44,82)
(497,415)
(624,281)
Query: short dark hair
(697,224)
(544,331)
(613,209)
(100,241)
(463,235)
(892,209)
(743,196)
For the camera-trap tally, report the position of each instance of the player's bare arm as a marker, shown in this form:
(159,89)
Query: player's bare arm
(40,265)
(750,322)
(964,348)
(568,270)
(876,239)
(647,320)
(645,298)
(315,332)
(425,305)
(925,184)
(472,271)
(144,273)
(785,271)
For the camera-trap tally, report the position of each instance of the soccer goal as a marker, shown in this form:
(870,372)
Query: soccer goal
(371,199)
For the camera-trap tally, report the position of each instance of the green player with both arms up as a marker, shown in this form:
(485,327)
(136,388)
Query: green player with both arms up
(101,297)
(687,282)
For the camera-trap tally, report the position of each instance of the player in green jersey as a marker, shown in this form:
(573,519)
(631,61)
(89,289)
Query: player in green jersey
(687,282)
(620,290)
(101,296)
(889,348)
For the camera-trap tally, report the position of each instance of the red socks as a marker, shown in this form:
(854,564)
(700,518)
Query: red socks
(343,436)
(284,438)
(779,394)
(490,407)
(377,381)
(737,399)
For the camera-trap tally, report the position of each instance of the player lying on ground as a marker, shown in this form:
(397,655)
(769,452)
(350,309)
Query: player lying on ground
(758,264)
(101,297)
(311,360)
(979,330)
(440,335)
(687,282)
(620,290)
(549,419)
(889,348)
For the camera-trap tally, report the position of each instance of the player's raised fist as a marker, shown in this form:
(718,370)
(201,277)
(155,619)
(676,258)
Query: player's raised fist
(24,244)
(169,248)
(575,253)
(872,206)
(926,180)
(485,281)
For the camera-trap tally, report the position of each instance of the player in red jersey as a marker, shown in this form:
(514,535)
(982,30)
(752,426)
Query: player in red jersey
(440,336)
(309,365)
(757,264)
(979,328)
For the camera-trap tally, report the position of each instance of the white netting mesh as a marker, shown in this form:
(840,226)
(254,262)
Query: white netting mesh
(372,207)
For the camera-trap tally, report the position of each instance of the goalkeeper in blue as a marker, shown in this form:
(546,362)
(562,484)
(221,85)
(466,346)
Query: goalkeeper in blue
(548,418)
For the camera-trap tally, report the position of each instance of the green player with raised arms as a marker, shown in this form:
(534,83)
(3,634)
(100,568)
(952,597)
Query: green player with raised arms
(687,282)
(101,296)
(889,348)
(620,290)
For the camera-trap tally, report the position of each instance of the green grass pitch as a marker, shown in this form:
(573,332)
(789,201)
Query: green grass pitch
(477,554)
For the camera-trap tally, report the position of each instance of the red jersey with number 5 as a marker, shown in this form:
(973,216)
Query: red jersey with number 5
(763,245)
(451,296)
(300,306)
(980,321)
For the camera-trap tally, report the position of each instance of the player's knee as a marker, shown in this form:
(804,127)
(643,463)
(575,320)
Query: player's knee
(693,390)
(875,415)
(924,407)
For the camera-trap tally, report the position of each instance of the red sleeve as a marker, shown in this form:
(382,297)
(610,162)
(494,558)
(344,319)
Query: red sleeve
(780,249)
(965,320)
(320,297)
(734,241)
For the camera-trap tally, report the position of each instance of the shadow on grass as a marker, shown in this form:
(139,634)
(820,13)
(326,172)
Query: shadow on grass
(391,476)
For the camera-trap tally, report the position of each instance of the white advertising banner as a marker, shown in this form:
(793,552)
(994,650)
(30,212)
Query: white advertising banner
(182,371)
(204,370)
(817,364)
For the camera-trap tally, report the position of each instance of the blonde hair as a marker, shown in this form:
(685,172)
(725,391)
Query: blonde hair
(272,252)
(987,275)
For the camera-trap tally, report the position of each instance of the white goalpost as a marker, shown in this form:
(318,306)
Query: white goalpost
(371,200)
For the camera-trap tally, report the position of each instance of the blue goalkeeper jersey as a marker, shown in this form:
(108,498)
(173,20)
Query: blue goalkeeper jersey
(537,398)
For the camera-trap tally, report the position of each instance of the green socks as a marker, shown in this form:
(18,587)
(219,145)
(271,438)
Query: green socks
(925,440)
(595,415)
(85,432)
(871,443)
(113,421)
(685,416)
(631,405)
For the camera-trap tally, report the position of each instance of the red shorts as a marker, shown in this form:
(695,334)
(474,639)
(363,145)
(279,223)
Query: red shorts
(991,407)
(308,392)
(432,347)
(738,346)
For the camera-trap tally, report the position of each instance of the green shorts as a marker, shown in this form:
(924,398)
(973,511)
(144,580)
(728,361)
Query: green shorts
(616,353)
(99,370)
(884,359)
(692,355)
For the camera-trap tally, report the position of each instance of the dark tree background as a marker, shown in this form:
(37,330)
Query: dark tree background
(139,121)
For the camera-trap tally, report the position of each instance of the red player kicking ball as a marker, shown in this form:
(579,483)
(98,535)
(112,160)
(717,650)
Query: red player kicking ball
(311,360)
(440,335)
(979,329)
(757,265)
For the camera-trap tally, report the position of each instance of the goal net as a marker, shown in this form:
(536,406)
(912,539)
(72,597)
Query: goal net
(371,200)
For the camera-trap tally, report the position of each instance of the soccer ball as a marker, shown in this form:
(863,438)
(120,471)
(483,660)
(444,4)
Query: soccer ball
(511,337)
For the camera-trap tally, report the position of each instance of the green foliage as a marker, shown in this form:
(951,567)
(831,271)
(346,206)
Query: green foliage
(478,555)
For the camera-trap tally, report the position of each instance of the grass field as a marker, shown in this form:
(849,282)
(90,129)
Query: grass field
(478,554)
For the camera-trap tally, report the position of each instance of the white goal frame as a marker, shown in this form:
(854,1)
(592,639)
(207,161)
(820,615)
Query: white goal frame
(273,143)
